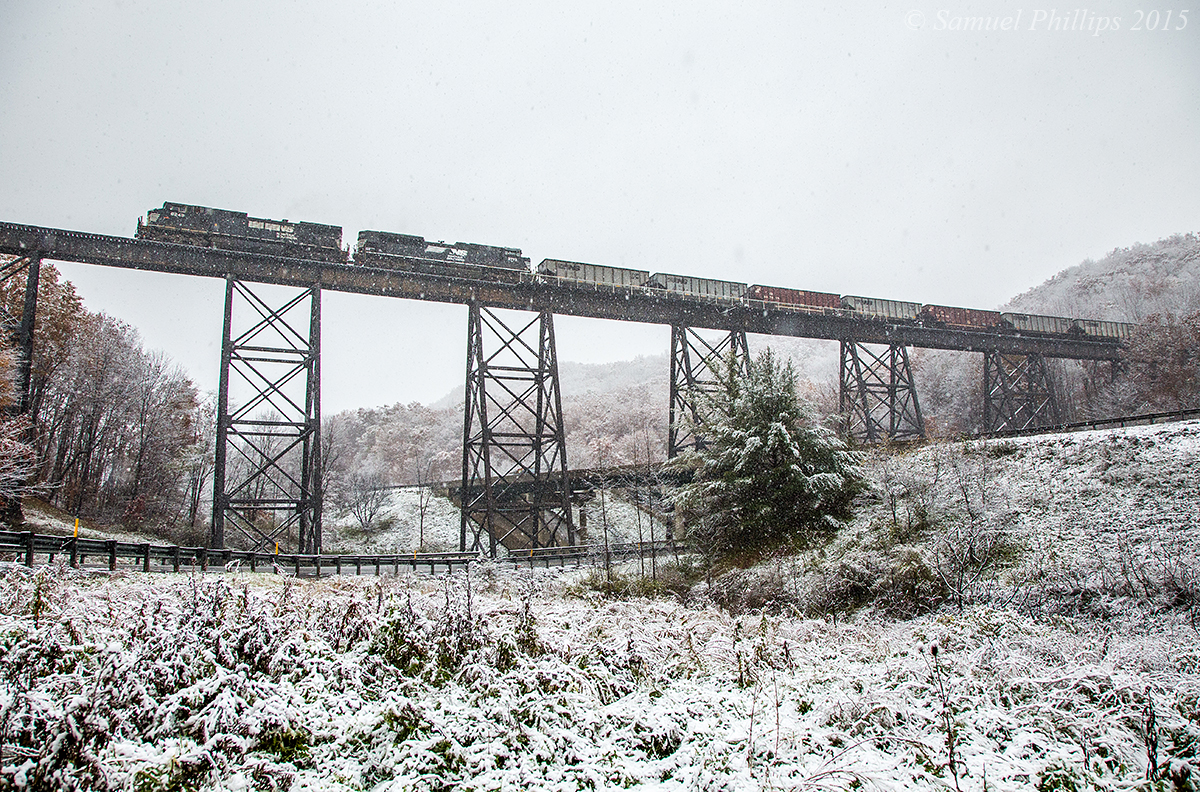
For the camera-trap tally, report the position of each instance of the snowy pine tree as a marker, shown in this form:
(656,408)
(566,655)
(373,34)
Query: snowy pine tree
(769,473)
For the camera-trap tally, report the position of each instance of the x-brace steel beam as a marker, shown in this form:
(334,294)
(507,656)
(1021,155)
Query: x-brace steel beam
(515,489)
(267,480)
(1017,393)
(695,361)
(877,394)
(23,337)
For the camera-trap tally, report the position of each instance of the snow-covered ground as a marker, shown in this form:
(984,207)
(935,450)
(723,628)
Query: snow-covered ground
(517,679)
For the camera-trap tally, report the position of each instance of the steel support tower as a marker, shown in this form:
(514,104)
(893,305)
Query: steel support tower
(695,361)
(878,395)
(1017,393)
(515,486)
(267,478)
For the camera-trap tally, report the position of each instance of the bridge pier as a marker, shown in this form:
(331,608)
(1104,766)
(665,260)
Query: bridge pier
(693,359)
(878,395)
(1017,393)
(267,476)
(515,488)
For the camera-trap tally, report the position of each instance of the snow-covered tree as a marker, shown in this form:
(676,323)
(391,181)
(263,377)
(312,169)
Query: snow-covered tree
(770,473)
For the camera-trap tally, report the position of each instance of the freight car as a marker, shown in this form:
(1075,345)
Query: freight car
(816,302)
(877,308)
(699,287)
(592,273)
(202,226)
(1035,323)
(1102,328)
(387,250)
(950,316)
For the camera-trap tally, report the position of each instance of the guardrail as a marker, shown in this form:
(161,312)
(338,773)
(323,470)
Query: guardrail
(1099,423)
(148,556)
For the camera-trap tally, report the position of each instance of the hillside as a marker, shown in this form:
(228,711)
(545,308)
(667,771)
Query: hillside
(1126,285)
(1129,284)
(1069,662)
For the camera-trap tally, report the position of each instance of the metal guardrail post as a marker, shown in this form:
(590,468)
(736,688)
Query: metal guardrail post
(317,564)
(203,559)
(175,557)
(29,548)
(74,553)
(296,558)
(146,558)
(112,555)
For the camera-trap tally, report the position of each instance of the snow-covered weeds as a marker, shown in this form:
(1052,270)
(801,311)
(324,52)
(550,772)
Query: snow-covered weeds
(1067,659)
(498,681)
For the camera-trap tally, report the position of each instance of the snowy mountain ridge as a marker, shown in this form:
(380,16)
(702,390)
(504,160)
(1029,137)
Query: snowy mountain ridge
(1126,285)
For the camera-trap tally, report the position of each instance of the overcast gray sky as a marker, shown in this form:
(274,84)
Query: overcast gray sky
(869,150)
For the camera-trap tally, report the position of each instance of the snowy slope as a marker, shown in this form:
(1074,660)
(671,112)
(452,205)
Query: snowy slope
(510,679)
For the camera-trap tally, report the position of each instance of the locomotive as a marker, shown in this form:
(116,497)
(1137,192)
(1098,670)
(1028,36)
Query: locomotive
(225,230)
(387,250)
(202,226)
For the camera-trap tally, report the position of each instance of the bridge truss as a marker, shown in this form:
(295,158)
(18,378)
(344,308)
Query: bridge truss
(877,394)
(1017,393)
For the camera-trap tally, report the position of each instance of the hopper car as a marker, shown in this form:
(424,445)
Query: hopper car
(202,226)
(1035,323)
(814,302)
(592,273)
(878,308)
(950,316)
(698,287)
(1103,328)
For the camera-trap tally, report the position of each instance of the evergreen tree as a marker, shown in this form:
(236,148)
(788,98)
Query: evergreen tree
(769,473)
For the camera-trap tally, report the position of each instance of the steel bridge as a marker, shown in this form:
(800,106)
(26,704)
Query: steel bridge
(267,474)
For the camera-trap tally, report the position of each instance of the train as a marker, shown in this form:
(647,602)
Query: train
(202,226)
(217,228)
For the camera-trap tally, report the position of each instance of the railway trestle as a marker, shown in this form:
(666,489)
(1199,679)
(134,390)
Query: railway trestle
(268,485)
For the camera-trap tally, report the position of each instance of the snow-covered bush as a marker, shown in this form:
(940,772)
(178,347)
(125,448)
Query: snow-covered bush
(769,473)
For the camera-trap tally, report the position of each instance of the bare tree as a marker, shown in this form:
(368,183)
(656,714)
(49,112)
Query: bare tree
(366,497)
(200,460)
(425,471)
